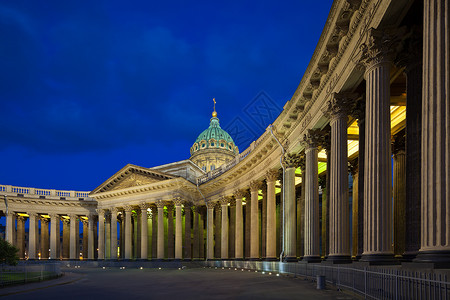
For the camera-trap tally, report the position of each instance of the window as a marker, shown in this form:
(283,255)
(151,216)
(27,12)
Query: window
(222,145)
(213,167)
(212,144)
(203,145)
(204,168)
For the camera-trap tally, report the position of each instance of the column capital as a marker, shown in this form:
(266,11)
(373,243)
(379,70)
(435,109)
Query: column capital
(224,201)
(114,210)
(177,201)
(312,138)
(44,219)
(210,204)
(170,206)
(339,105)
(410,55)
(239,194)
(143,205)
(399,143)
(65,221)
(232,202)
(380,47)
(20,218)
(100,211)
(271,175)
(358,110)
(302,163)
(128,208)
(53,216)
(33,214)
(254,185)
(353,166)
(291,160)
(160,204)
(187,204)
(11,213)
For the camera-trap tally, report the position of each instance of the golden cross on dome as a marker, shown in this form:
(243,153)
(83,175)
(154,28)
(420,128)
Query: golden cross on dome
(214,114)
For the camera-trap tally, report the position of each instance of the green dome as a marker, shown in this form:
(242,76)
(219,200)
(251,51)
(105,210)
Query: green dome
(214,137)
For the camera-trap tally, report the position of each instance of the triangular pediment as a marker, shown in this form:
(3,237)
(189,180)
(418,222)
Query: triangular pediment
(131,176)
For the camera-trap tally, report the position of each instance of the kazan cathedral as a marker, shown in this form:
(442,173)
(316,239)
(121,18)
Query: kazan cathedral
(370,110)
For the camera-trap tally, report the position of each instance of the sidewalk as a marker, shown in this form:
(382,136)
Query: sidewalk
(66,278)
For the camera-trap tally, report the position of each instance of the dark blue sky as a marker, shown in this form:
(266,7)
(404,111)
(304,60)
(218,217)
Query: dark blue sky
(89,86)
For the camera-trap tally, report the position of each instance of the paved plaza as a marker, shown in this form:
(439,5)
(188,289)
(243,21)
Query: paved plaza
(197,283)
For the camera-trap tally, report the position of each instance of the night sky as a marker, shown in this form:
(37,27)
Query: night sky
(89,86)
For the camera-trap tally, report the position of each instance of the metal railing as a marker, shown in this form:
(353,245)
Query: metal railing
(10,275)
(370,282)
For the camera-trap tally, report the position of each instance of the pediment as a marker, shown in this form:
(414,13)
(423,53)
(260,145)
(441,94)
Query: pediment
(131,176)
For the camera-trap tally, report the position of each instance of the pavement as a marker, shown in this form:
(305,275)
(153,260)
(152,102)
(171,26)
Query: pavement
(155,283)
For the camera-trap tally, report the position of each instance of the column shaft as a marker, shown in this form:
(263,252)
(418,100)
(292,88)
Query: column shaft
(128,232)
(210,231)
(54,219)
(239,235)
(290,248)
(160,242)
(224,242)
(73,238)
(271,241)
(114,233)
(178,232)
(101,234)
(144,232)
(435,237)
(91,245)
(254,222)
(10,227)
(32,236)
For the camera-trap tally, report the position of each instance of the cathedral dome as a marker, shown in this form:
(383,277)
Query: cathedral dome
(214,142)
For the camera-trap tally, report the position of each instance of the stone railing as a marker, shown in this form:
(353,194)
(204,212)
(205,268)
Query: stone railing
(227,166)
(10,190)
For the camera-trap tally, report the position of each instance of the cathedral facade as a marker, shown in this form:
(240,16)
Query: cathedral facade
(373,103)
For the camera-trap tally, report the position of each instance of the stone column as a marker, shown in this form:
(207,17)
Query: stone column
(195,242)
(232,229)
(263,215)
(73,238)
(101,233)
(91,243)
(10,226)
(254,221)
(435,231)
(376,58)
(271,239)
(128,231)
(326,144)
(144,231)
(187,231)
(224,236)
(54,219)
(217,230)
(411,59)
(239,235)
(312,251)
(359,112)
(32,236)
(21,236)
(66,238)
(353,169)
(160,242)
(201,228)
(178,229)
(210,231)
(44,238)
(114,233)
(107,235)
(398,149)
(301,226)
(337,110)
(170,235)
(290,162)
(248,216)
(154,232)
(85,238)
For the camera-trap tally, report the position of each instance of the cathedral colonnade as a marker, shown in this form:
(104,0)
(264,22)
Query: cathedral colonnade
(355,168)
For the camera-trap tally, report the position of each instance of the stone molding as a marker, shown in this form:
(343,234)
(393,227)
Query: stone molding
(254,185)
(224,201)
(312,138)
(271,175)
(291,160)
(339,105)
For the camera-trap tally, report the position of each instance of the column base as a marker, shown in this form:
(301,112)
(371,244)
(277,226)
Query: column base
(379,259)
(311,259)
(290,259)
(239,259)
(254,259)
(439,259)
(271,259)
(338,259)
(409,255)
